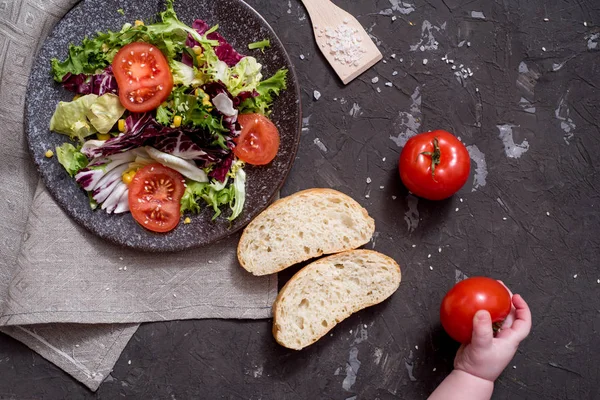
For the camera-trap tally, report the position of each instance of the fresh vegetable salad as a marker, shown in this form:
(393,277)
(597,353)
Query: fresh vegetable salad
(164,118)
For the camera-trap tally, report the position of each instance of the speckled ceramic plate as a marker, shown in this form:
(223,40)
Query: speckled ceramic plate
(240,25)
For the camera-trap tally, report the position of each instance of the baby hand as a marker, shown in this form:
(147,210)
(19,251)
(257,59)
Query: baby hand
(487,356)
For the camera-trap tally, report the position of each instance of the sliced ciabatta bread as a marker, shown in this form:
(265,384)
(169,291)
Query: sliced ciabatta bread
(328,291)
(302,226)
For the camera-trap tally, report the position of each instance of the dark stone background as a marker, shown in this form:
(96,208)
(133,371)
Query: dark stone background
(547,248)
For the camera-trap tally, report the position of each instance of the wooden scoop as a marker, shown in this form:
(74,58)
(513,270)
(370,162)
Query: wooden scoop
(342,39)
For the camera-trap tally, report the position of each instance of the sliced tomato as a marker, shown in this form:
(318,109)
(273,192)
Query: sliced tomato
(143,76)
(154,197)
(259,141)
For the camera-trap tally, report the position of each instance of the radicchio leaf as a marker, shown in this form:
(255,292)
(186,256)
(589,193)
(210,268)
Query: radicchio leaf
(224,51)
(98,84)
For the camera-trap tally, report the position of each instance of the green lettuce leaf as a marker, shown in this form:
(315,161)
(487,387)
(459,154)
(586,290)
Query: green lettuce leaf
(245,76)
(267,90)
(71,158)
(216,194)
(70,118)
(260,45)
(104,113)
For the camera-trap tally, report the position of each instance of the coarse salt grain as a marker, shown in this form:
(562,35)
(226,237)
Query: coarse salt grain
(425,61)
(369,180)
(381,187)
(383,159)
(394,73)
(388,84)
(394,197)
(414,245)
(430,268)
(546,19)
(574,276)
(317,95)
(375,80)
(504,218)
(547,213)
(428,255)
(344,43)
(393,55)
(543,49)
(378,90)
(302,56)
(394,18)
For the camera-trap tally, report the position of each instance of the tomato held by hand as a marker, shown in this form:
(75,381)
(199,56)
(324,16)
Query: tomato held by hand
(466,298)
(434,165)
(154,196)
(259,141)
(143,76)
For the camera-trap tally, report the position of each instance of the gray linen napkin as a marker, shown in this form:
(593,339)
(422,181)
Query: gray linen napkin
(65,293)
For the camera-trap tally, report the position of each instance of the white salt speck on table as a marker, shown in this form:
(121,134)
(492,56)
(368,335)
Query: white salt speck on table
(389,84)
(383,159)
(378,90)
(439,250)
(394,73)
(394,197)
(317,95)
(548,213)
(125,268)
(575,276)
(425,61)
(394,18)
(369,180)
(504,218)
(414,245)
(129,362)
(461,200)
(456,209)
(546,19)
(428,255)
(430,268)
(375,80)
(384,61)
(302,56)
(393,55)
(381,187)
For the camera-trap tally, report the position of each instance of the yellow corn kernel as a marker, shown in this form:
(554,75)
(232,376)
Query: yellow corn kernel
(199,92)
(102,136)
(199,59)
(198,50)
(128,175)
(49,153)
(139,23)
(121,125)
(177,121)
(187,220)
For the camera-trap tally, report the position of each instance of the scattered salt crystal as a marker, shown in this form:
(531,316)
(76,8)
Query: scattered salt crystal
(383,159)
(125,268)
(365,326)
(381,187)
(461,200)
(598,281)
(454,67)
(439,250)
(302,56)
(384,61)
(546,20)
(456,209)
(424,61)
(584,23)
(369,180)
(76,345)
(375,80)
(514,367)
(174,295)
(378,90)
(434,369)
(394,197)
(107,289)
(393,55)
(129,362)
(120,268)
(461,65)
(394,73)
(121,258)
(430,268)
(402,59)
(422,48)
(543,49)
(547,213)
(317,95)
(414,245)
(417,347)
(504,218)
(574,276)
(428,255)
(477,89)
(394,18)
(388,84)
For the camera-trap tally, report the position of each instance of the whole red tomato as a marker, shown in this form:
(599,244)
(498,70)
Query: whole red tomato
(466,298)
(434,165)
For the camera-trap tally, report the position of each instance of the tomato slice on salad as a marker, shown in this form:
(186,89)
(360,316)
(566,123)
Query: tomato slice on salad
(154,197)
(259,141)
(143,76)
